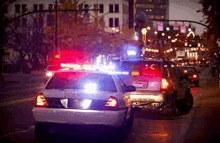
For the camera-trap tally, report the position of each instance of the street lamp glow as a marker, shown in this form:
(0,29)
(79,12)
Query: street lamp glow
(168,28)
(148,28)
(163,34)
(189,29)
(144,31)
(169,37)
(155,32)
(116,30)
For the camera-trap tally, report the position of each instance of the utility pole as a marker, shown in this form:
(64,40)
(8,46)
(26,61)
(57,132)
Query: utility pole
(56,40)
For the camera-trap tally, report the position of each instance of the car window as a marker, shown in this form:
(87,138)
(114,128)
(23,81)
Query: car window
(191,70)
(121,83)
(141,66)
(78,80)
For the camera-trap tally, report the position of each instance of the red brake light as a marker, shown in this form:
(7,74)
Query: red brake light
(164,84)
(112,103)
(41,100)
(195,76)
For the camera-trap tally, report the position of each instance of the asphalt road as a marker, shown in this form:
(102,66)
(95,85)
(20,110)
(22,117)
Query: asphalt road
(202,124)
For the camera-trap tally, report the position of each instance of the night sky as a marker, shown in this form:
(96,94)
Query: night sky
(186,10)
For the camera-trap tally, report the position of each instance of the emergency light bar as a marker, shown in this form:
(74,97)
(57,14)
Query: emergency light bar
(77,66)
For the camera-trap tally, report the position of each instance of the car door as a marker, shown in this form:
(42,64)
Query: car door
(126,95)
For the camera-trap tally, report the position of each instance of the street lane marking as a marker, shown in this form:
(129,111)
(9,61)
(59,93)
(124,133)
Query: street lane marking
(16,101)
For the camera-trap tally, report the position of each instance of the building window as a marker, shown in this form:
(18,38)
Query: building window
(101,8)
(17,8)
(116,22)
(17,22)
(35,22)
(41,7)
(35,7)
(96,7)
(110,22)
(86,7)
(24,8)
(111,8)
(116,8)
(24,22)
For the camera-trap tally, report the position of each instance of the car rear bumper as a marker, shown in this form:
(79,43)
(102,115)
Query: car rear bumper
(79,117)
(145,99)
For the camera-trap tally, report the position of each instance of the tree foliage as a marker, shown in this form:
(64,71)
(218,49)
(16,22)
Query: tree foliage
(3,23)
(211,12)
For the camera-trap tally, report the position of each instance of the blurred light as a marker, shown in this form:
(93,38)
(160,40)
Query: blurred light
(163,34)
(131,53)
(49,74)
(148,28)
(144,31)
(86,103)
(155,32)
(117,30)
(90,87)
(168,28)
(189,29)
(169,37)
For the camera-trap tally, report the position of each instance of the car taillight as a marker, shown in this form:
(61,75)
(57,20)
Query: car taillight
(195,76)
(112,103)
(41,101)
(164,84)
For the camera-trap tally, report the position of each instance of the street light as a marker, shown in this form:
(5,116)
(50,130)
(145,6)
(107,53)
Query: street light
(144,32)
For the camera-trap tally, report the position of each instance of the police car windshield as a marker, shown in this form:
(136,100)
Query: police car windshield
(78,80)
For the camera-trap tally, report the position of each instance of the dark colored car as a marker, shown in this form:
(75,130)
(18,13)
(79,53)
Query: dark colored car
(191,74)
(159,84)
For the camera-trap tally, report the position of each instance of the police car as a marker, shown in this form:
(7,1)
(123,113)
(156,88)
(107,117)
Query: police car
(87,100)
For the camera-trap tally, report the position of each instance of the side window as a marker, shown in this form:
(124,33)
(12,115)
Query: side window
(121,83)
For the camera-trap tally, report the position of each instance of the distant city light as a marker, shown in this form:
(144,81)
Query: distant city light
(131,53)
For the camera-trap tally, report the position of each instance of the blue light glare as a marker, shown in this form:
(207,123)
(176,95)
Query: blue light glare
(90,87)
(131,53)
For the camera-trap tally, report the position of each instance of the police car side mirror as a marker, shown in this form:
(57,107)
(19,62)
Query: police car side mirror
(130,88)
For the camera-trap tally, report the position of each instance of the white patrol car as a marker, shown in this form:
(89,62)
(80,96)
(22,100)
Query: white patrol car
(75,98)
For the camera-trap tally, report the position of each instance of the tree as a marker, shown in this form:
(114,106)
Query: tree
(27,39)
(211,13)
(3,23)
(78,30)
